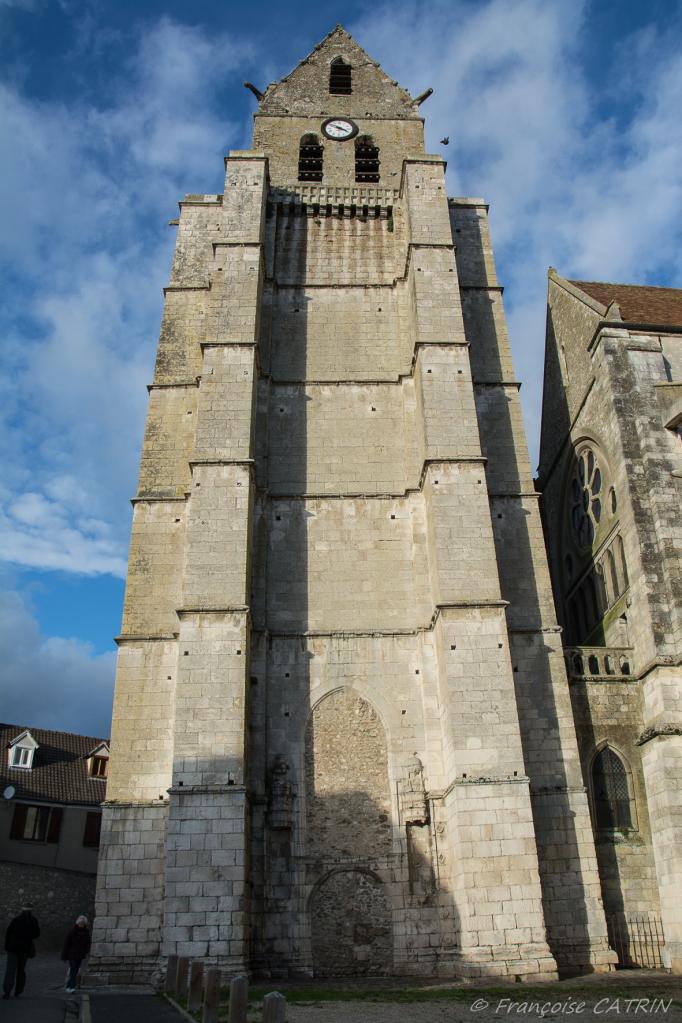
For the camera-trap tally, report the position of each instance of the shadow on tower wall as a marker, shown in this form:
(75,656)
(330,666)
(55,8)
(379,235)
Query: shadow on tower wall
(336,886)
(542,694)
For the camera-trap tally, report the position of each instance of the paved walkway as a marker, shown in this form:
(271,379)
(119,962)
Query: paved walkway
(44,999)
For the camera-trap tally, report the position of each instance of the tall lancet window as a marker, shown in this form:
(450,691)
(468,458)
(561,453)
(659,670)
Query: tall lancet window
(611,791)
(366,159)
(340,80)
(310,159)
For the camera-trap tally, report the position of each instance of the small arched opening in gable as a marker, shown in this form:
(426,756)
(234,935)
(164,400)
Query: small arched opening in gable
(340,78)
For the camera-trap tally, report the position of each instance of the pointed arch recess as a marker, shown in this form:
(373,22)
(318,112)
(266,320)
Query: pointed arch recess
(347,794)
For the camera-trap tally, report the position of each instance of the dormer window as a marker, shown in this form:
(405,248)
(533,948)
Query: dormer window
(340,78)
(21,750)
(21,757)
(98,762)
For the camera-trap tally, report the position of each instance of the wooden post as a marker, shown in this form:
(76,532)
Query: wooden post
(196,986)
(181,977)
(239,1000)
(171,973)
(211,996)
(274,1008)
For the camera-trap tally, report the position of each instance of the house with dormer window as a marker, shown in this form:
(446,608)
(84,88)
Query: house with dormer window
(52,785)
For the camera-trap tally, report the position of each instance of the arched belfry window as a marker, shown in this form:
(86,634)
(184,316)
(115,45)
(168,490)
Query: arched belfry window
(340,80)
(611,791)
(366,159)
(310,159)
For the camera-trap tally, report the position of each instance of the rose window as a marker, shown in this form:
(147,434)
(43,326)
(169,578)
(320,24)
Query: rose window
(586,506)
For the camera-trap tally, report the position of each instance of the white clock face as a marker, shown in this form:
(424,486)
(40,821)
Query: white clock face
(339,129)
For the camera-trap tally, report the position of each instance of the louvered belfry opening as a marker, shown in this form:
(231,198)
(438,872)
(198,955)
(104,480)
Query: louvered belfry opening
(340,83)
(310,159)
(366,159)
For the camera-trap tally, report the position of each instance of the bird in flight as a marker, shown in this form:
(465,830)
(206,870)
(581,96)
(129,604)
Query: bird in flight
(445,141)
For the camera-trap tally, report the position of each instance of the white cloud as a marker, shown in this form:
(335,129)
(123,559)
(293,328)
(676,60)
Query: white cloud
(50,682)
(594,194)
(91,186)
(39,533)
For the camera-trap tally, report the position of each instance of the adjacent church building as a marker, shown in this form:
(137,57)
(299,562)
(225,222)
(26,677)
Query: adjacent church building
(611,478)
(343,739)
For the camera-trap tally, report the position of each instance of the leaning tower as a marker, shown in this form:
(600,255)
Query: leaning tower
(342,739)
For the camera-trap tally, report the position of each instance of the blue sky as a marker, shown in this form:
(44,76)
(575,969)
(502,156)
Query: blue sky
(564,114)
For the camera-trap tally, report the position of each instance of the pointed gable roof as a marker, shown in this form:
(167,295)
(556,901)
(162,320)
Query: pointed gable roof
(636,303)
(305,91)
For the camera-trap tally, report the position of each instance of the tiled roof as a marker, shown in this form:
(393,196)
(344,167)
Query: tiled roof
(59,773)
(660,307)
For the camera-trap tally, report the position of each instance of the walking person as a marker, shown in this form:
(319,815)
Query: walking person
(76,947)
(19,938)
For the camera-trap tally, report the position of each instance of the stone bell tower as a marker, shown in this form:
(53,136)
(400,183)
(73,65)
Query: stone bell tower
(342,738)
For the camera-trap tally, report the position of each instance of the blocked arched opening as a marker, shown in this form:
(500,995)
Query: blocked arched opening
(351,926)
(347,794)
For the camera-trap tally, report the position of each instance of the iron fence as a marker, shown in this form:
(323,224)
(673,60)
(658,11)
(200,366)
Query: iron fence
(637,939)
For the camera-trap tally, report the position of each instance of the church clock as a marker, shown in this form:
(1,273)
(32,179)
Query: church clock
(339,129)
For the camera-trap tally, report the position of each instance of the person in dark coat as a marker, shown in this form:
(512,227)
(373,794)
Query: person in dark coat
(19,947)
(76,947)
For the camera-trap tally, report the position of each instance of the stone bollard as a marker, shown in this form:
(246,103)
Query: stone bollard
(181,977)
(196,986)
(239,1000)
(171,973)
(274,1008)
(211,1005)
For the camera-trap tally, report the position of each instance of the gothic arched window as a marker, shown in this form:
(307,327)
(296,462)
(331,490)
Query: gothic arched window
(310,159)
(340,78)
(611,791)
(366,159)
(586,507)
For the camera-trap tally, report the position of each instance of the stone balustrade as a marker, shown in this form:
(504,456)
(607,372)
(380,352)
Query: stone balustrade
(598,662)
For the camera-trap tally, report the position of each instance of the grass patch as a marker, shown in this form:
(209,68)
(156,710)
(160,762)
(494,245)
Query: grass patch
(517,992)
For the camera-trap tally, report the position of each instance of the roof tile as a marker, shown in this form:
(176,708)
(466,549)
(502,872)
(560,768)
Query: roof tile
(660,307)
(59,773)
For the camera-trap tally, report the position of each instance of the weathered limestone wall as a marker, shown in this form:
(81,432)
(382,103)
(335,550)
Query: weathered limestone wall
(184,645)
(354,592)
(611,406)
(611,712)
(130,892)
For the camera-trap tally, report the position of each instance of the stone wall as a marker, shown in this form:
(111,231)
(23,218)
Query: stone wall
(59,896)
(347,799)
